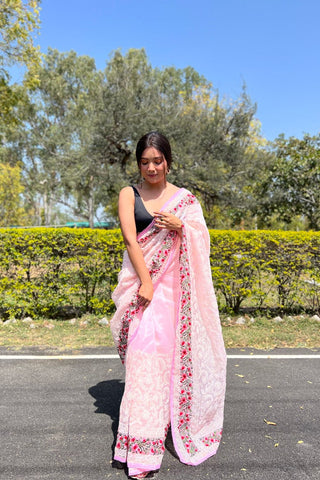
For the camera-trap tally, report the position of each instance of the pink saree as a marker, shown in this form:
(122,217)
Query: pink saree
(173,351)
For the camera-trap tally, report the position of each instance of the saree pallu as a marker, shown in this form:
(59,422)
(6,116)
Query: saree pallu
(173,351)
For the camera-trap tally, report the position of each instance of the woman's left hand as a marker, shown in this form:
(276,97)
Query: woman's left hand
(168,221)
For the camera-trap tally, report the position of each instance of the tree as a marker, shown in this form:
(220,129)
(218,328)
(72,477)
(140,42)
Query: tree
(59,165)
(137,98)
(81,127)
(11,210)
(291,187)
(19,21)
(221,155)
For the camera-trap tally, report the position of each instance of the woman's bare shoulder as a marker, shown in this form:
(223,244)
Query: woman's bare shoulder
(126,191)
(126,195)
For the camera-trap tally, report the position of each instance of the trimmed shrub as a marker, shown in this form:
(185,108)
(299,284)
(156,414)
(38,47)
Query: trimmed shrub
(61,272)
(266,268)
(46,271)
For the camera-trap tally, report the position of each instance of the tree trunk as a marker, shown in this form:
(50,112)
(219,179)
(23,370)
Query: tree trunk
(91,202)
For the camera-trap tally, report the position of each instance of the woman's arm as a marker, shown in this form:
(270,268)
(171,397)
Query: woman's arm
(128,228)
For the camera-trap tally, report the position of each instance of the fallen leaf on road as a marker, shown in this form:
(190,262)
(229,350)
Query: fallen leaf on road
(276,445)
(269,423)
(300,441)
(238,375)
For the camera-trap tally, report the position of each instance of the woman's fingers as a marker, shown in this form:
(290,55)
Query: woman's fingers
(162,219)
(144,303)
(145,294)
(167,220)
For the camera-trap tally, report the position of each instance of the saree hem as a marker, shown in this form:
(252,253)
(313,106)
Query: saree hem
(141,466)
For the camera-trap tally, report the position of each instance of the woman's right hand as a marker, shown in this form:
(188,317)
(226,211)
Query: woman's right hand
(145,294)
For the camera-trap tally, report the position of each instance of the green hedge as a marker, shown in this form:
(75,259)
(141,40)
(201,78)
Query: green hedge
(53,272)
(275,270)
(57,272)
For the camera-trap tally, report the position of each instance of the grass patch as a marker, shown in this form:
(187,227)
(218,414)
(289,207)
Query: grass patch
(263,333)
(58,334)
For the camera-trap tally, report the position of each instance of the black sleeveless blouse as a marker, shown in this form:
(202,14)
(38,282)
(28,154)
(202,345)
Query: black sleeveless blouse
(141,215)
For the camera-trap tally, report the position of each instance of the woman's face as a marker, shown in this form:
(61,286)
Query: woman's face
(153,165)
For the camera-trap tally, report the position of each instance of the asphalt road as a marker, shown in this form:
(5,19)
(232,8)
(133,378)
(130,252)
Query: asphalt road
(58,418)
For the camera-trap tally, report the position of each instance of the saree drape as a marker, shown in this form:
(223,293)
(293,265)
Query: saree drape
(173,351)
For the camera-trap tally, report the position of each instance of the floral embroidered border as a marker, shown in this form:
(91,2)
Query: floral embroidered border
(144,446)
(215,437)
(186,369)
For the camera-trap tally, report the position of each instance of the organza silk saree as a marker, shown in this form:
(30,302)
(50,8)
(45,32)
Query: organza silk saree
(173,351)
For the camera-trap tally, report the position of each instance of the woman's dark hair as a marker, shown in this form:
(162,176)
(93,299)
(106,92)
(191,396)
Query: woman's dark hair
(156,140)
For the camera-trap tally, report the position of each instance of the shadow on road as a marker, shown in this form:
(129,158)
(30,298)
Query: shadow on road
(108,395)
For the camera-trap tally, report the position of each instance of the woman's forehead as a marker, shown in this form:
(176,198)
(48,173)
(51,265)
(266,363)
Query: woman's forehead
(151,152)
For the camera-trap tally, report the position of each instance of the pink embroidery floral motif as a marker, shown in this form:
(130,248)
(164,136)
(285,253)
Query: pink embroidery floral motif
(144,446)
(213,438)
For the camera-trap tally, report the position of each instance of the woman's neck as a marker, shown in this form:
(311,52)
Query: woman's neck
(156,188)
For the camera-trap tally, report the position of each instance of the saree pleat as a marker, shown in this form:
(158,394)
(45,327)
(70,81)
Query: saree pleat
(173,351)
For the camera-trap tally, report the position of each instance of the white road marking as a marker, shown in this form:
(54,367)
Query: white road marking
(57,357)
(115,356)
(275,356)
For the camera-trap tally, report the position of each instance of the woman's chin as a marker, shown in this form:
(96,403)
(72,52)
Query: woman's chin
(154,179)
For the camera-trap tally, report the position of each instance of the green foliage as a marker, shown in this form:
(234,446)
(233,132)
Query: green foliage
(81,127)
(50,271)
(290,189)
(233,263)
(56,272)
(60,165)
(267,269)
(75,133)
(19,20)
(11,210)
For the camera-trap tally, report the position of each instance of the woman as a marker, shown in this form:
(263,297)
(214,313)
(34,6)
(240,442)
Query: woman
(166,326)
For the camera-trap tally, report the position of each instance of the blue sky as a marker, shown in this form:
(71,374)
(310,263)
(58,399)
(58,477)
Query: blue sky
(273,46)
